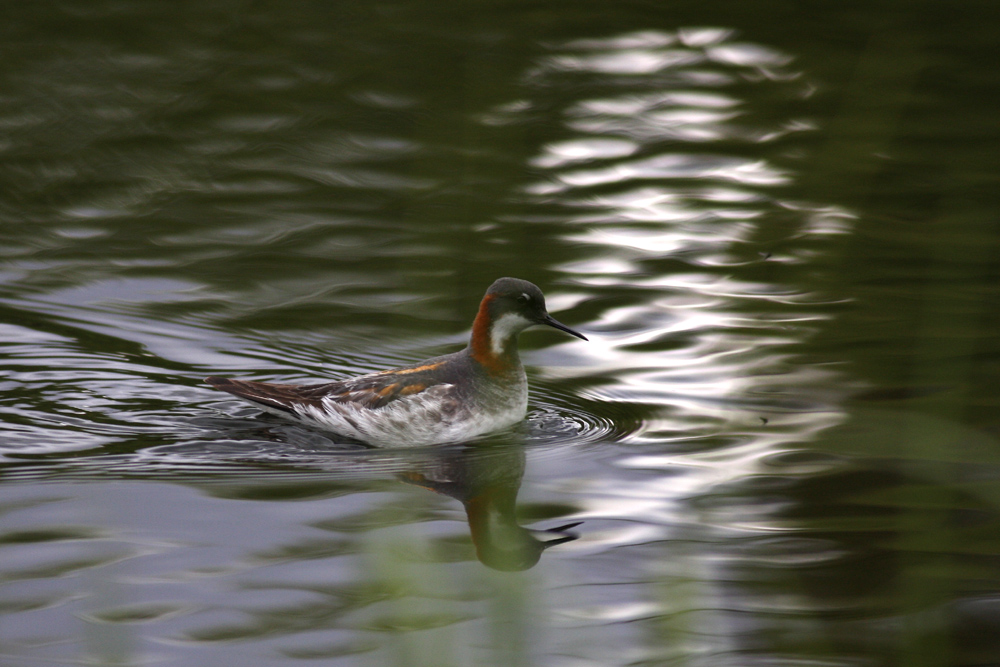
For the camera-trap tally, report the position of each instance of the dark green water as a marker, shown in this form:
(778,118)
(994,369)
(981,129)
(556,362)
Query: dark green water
(776,222)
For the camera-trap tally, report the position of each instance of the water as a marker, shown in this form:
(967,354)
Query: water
(776,226)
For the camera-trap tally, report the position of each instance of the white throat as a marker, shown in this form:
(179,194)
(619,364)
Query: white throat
(505,328)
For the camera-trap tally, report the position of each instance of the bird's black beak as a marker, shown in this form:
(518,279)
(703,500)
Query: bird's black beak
(554,323)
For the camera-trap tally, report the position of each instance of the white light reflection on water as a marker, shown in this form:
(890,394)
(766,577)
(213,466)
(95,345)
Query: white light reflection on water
(665,178)
(648,184)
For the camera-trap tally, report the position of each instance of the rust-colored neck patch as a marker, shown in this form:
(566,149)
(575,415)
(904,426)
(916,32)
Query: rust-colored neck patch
(481,345)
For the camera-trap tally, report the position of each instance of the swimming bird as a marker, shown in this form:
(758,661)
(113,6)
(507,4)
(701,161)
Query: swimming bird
(446,399)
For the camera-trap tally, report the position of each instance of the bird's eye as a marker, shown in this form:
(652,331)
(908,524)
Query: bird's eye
(524,298)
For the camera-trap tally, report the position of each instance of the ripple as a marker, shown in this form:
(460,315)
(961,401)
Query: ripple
(552,424)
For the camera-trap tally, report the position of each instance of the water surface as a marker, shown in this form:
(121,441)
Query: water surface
(777,227)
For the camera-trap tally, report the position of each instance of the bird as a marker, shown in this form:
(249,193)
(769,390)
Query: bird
(447,399)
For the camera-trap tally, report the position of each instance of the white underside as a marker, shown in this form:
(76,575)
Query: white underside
(421,419)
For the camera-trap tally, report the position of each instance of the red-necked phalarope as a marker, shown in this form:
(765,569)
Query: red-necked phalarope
(446,399)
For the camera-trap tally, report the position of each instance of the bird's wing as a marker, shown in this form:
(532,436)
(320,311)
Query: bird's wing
(368,391)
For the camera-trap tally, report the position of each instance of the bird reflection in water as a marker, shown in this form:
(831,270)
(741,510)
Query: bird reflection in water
(484,477)
(486,481)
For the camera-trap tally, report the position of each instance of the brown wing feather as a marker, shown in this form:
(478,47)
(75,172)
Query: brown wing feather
(369,391)
(280,396)
(376,391)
